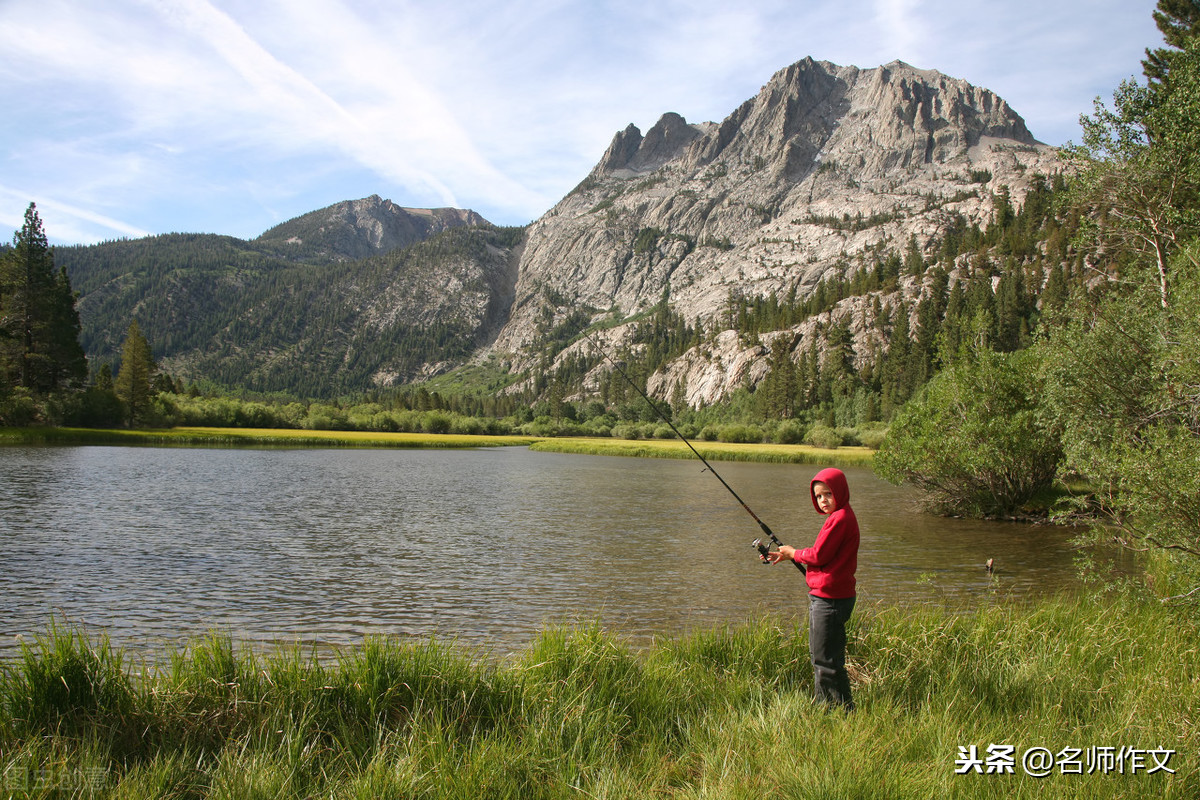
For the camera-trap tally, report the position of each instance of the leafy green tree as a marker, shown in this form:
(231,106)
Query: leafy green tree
(1139,168)
(1123,380)
(974,439)
(135,375)
(39,326)
(1122,377)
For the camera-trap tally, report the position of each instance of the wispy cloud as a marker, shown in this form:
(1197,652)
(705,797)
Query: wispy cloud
(223,116)
(62,216)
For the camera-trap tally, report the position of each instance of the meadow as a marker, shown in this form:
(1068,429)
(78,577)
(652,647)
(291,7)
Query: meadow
(716,451)
(1102,691)
(252,437)
(288,437)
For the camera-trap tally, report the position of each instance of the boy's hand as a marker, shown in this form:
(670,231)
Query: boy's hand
(784,553)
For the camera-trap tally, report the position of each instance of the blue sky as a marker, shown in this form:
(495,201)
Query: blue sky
(126,118)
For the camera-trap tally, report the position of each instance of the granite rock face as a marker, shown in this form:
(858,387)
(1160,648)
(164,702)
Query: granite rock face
(823,164)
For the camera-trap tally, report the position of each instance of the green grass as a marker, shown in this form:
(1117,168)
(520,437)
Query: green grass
(723,713)
(284,437)
(253,437)
(715,451)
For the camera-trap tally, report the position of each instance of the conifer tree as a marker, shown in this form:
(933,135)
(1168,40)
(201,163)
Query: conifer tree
(895,379)
(39,326)
(1179,22)
(134,377)
(779,390)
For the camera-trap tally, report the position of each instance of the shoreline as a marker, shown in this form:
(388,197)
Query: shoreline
(287,437)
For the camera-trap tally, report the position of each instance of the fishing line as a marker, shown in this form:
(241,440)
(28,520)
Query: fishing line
(762,548)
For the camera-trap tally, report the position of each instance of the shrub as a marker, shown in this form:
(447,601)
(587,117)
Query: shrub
(469,426)
(824,437)
(598,427)
(872,434)
(325,418)
(849,436)
(741,434)
(790,432)
(974,440)
(626,431)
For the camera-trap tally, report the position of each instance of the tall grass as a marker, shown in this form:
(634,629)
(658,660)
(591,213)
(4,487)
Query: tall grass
(719,713)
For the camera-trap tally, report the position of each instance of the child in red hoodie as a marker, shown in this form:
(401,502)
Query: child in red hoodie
(830,564)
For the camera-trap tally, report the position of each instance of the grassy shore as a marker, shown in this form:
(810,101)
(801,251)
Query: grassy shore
(284,437)
(252,437)
(717,714)
(714,451)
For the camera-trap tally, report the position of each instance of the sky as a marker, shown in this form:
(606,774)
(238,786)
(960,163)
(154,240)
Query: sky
(129,118)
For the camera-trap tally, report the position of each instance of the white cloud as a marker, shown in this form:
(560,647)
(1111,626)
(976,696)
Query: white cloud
(64,218)
(227,116)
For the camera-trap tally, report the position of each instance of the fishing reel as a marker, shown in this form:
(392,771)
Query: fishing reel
(763,550)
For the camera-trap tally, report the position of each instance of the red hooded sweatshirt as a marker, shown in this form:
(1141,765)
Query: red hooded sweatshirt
(833,558)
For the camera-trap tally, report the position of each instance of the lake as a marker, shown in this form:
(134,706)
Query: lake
(156,546)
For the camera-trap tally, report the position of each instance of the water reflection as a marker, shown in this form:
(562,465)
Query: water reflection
(324,546)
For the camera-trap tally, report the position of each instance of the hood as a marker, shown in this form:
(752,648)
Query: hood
(835,479)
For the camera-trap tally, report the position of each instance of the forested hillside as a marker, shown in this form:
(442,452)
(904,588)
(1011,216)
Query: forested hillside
(284,316)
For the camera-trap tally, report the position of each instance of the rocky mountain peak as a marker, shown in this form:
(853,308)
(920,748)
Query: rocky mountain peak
(631,153)
(355,229)
(825,163)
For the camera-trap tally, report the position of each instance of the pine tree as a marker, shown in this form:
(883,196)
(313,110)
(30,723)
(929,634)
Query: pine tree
(838,377)
(134,377)
(1179,22)
(895,378)
(949,339)
(914,261)
(779,390)
(39,326)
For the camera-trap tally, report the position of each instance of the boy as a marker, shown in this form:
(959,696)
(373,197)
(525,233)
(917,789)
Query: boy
(831,563)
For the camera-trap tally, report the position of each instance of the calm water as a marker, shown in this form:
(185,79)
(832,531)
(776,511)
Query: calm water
(156,546)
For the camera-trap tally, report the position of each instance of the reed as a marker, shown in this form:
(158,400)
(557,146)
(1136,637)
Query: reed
(717,713)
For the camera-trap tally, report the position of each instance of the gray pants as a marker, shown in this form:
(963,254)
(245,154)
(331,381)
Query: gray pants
(827,643)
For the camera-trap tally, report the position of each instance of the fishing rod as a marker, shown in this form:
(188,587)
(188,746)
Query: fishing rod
(761,546)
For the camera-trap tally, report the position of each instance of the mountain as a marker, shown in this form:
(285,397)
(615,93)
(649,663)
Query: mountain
(294,310)
(820,176)
(357,229)
(823,165)
(328,330)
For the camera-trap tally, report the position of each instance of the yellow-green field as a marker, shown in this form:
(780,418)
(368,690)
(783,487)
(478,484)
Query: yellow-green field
(254,437)
(716,451)
(283,437)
